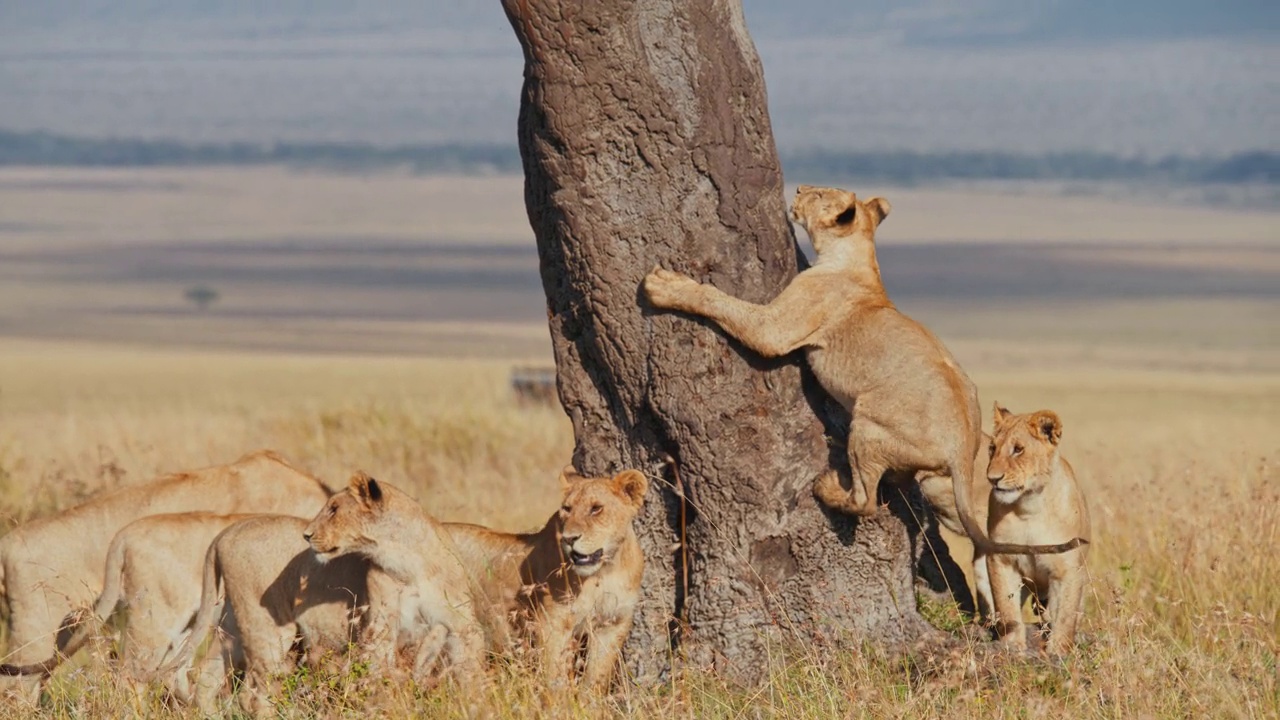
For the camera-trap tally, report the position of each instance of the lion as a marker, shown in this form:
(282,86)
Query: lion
(52,566)
(435,607)
(916,409)
(267,593)
(1035,499)
(575,581)
(153,570)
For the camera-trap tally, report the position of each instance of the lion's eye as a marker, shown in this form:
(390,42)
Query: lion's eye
(333,511)
(991,450)
(595,509)
(565,509)
(1017,450)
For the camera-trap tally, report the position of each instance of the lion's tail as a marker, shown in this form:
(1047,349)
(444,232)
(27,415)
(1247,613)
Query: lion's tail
(210,612)
(962,479)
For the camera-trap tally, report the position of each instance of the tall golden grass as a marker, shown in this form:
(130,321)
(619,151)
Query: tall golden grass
(1182,616)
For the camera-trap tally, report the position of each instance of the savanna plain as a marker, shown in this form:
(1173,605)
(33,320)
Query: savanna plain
(372,322)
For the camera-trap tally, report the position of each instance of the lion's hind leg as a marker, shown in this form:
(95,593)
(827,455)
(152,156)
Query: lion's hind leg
(870,451)
(429,651)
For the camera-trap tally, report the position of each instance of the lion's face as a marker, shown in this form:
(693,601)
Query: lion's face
(595,517)
(1023,448)
(830,214)
(340,526)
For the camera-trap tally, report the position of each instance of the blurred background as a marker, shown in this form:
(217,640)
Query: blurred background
(316,175)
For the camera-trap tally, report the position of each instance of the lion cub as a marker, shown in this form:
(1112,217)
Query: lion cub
(916,410)
(435,605)
(577,580)
(265,591)
(154,567)
(1035,499)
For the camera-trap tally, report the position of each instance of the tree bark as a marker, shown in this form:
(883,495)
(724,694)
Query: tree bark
(645,139)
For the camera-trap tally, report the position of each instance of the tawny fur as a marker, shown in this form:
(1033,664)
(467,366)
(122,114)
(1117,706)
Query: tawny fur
(153,571)
(266,591)
(436,607)
(52,566)
(1035,499)
(544,584)
(913,407)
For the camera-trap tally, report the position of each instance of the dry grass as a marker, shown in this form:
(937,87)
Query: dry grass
(1180,469)
(75,419)
(1171,406)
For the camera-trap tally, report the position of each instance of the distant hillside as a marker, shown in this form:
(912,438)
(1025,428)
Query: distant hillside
(1012,22)
(1119,77)
(46,149)
(915,21)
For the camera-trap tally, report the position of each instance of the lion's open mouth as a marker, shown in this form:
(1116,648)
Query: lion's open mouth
(582,560)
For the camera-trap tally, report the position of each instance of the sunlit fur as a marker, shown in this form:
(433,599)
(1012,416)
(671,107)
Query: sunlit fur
(1035,500)
(577,580)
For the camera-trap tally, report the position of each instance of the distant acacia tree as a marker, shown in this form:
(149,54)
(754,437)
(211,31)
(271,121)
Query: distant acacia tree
(202,296)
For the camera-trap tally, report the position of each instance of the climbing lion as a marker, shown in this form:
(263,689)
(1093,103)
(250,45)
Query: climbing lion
(1035,499)
(913,408)
(576,580)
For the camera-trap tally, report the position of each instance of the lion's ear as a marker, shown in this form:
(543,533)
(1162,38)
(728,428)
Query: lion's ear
(999,414)
(879,208)
(850,213)
(366,489)
(632,484)
(568,476)
(1048,425)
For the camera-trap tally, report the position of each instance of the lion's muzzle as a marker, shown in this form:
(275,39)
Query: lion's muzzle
(586,560)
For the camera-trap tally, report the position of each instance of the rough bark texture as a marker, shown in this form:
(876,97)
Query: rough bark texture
(646,140)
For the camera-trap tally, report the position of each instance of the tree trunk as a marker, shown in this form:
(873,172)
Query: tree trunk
(646,141)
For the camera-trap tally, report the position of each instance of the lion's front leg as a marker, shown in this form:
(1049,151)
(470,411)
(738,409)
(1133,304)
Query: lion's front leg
(982,588)
(669,290)
(603,648)
(773,330)
(559,648)
(1006,591)
(1066,604)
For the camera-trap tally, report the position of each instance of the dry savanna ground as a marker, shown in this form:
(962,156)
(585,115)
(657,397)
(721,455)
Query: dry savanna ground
(1166,373)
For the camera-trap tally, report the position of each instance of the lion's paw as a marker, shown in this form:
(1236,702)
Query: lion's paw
(669,289)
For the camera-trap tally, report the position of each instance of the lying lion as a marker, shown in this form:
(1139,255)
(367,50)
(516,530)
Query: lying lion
(917,410)
(267,592)
(434,607)
(51,566)
(575,581)
(1035,499)
(153,571)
